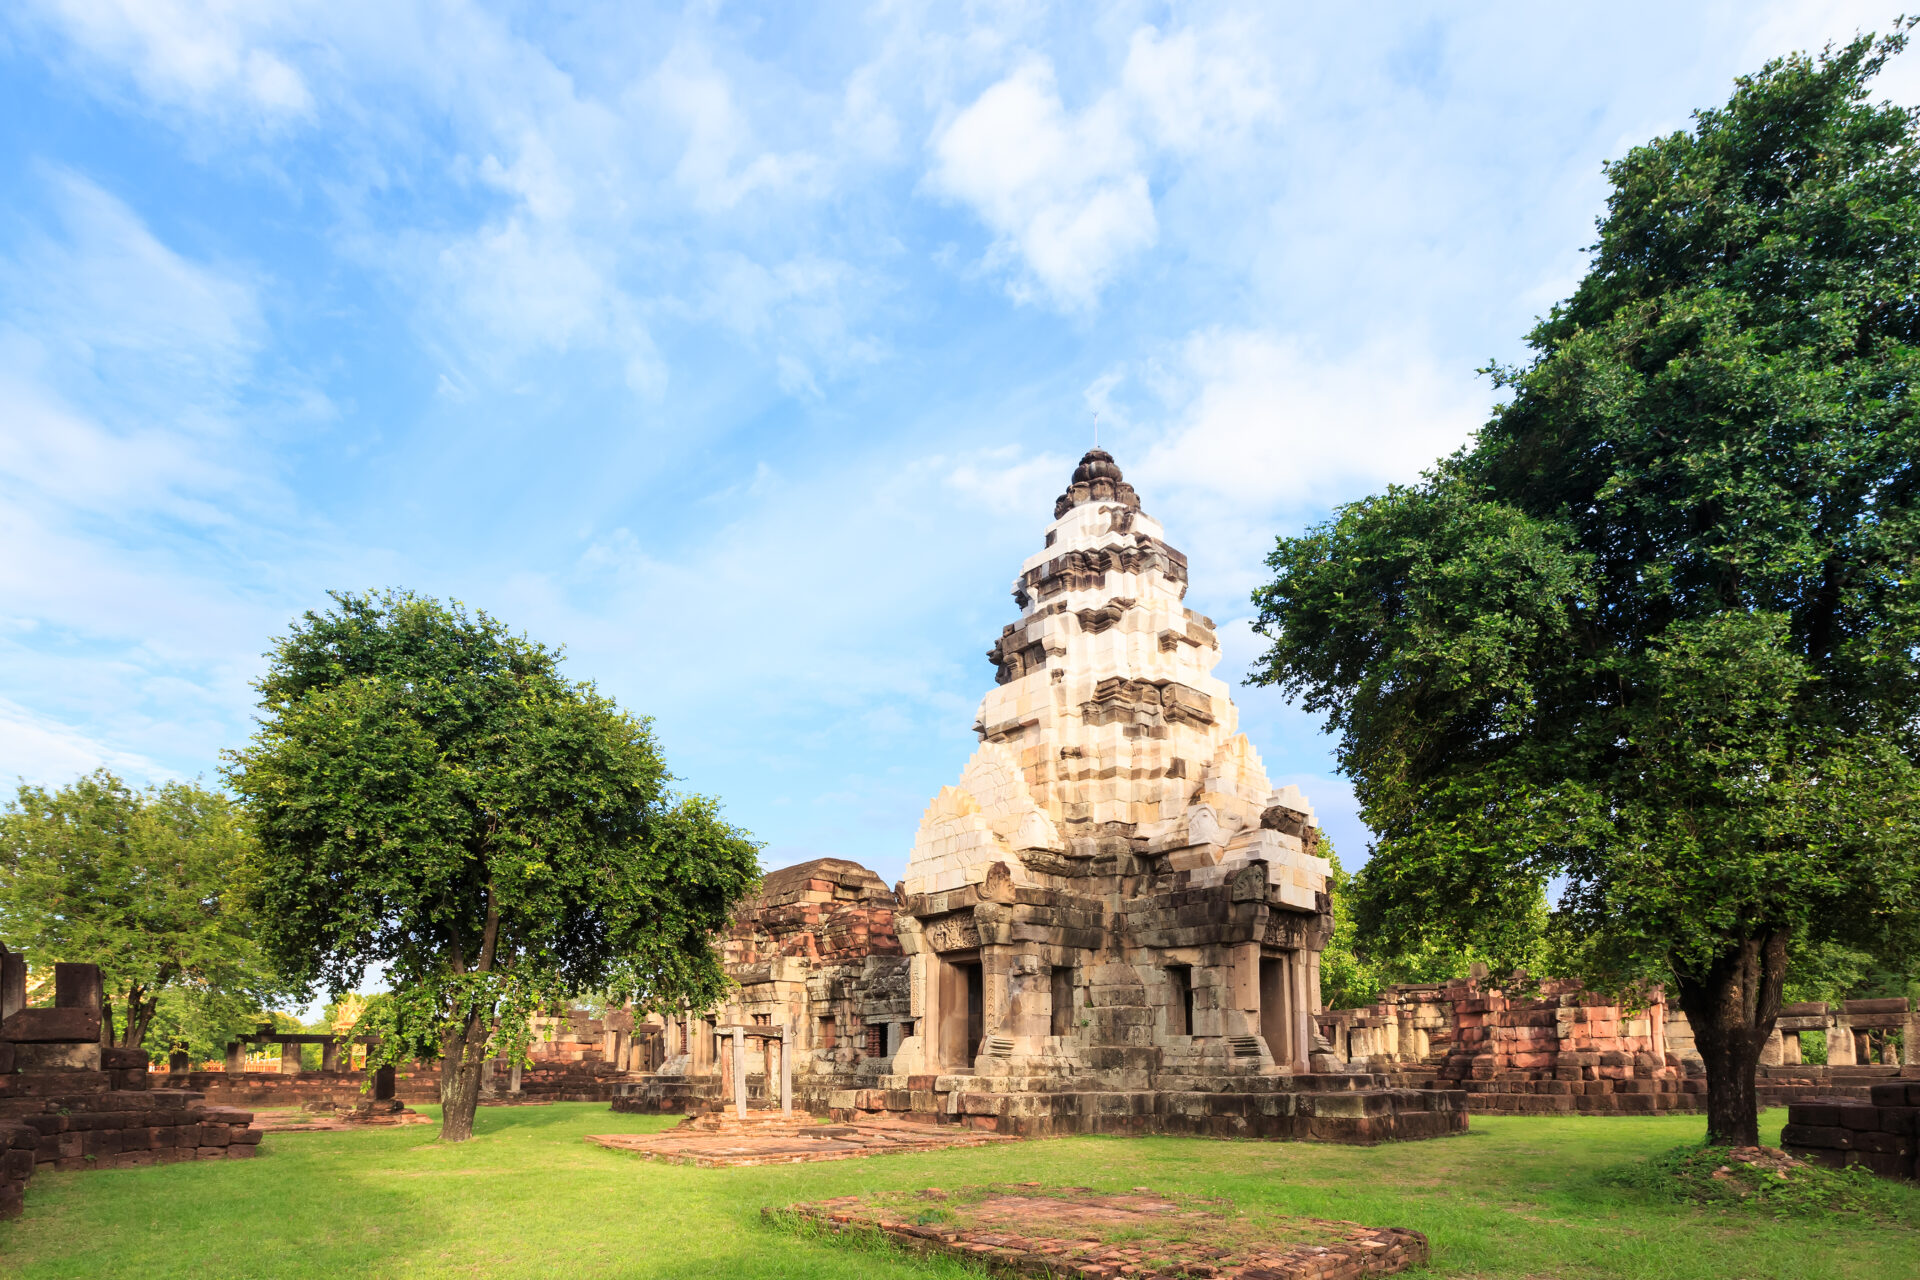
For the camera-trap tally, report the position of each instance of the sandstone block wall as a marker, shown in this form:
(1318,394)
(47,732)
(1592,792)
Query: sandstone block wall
(1881,1134)
(69,1102)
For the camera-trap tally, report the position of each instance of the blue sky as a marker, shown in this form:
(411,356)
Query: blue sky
(742,349)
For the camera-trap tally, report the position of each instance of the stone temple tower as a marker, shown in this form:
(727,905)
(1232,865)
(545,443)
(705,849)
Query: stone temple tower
(1107,735)
(1113,906)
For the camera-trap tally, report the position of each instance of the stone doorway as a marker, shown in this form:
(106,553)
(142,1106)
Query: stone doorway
(1275,1009)
(963,1000)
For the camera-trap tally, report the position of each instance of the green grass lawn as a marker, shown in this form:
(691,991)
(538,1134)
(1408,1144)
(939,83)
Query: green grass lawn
(527,1198)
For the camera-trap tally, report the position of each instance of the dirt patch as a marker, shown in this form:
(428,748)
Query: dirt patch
(797,1141)
(1028,1229)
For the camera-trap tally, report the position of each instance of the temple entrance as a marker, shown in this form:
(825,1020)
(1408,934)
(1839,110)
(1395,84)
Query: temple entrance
(963,1009)
(1275,1010)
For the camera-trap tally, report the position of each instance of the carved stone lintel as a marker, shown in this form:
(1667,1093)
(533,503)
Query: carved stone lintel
(956,932)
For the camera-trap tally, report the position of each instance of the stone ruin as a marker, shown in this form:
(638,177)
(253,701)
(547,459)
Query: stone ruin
(1525,1047)
(1880,1133)
(1111,923)
(576,1057)
(822,998)
(68,1101)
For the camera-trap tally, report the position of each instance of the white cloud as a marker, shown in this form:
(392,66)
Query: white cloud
(1006,482)
(43,752)
(209,56)
(149,532)
(1198,89)
(1062,190)
(120,363)
(1266,420)
(1068,192)
(718,135)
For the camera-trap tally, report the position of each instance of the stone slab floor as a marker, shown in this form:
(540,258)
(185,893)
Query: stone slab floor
(1517,1197)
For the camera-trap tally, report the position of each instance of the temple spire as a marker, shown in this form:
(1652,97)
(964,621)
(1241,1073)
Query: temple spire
(1096,479)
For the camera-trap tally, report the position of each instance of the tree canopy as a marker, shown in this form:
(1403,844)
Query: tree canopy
(1655,633)
(433,796)
(149,886)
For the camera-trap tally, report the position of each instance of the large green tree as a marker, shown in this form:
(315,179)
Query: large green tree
(433,796)
(147,885)
(1656,632)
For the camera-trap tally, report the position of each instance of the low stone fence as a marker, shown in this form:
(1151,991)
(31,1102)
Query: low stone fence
(1880,1134)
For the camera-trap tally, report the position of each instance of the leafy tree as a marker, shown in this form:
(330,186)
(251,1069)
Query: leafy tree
(432,795)
(1656,630)
(1357,967)
(201,1023)
(147,885)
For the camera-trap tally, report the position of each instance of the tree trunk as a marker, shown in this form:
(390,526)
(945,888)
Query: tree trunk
(460,1079)
(1733,1004)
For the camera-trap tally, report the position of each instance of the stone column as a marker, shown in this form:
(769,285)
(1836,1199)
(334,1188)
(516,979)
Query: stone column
(289,1058)
(786,1068)
(178,1061)
(1910,1042)
(1773,1050)
(1303,1003)
(236,1056)
(1840,1052)
(13,983)
(330,1056)
(739,1073)
(513,1077)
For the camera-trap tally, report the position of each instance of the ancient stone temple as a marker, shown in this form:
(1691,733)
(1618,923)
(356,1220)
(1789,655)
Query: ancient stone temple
(1112,922)
(1114,919)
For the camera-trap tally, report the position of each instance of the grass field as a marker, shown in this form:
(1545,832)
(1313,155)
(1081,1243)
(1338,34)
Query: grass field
(1519,1197)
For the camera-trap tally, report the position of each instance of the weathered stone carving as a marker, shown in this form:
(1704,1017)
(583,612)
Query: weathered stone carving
(956,932)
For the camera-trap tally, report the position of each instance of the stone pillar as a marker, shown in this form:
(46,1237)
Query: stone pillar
(236,1056)
(786,1068)
(739,1073)
(179,1061)
(13,983)
(1303,1003)
(513,1077)
(1840,1051)
(330,1056)
(1910,1042)
(1773,1050)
